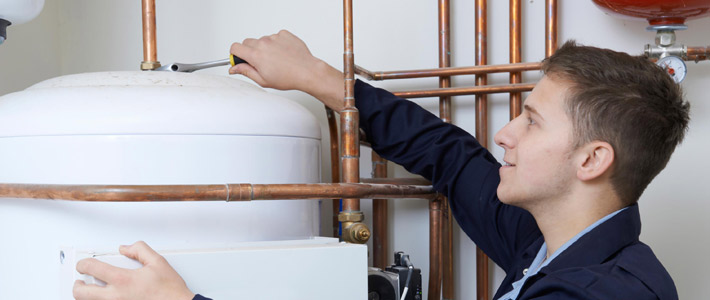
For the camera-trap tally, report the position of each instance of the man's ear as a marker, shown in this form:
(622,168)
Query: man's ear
(596,159)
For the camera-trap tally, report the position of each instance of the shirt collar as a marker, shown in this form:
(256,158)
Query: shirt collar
(606,239)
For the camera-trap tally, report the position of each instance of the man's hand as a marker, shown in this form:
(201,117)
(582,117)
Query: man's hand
(282,61)
(155,280)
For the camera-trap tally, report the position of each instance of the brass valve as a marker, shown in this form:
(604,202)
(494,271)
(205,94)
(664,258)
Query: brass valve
(354,231)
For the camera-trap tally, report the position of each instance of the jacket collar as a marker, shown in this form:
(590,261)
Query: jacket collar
(605,240)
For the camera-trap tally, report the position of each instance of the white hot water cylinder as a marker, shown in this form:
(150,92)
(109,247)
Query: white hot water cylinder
(146,128)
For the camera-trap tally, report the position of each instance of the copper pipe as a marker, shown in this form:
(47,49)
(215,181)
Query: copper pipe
(515,24)
(334,164)
(397,181)
(444,59)
(213,192)
(349,117)
(698,53)
(150,50)
(451,71)
(447,246)
(482,276)
(435,249)
(481,19)
(379,217)
(488,89)
(550,27)
(482,80)
(447,254)
(696,58)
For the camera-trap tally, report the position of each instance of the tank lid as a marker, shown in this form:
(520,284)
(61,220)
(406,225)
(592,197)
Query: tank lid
(124,103)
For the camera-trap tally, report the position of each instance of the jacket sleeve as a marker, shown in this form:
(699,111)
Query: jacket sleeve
(200,297)
(456,164)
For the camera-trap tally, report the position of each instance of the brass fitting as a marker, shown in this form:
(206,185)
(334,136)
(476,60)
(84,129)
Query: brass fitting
(354,231)
(150,65)
(350,216)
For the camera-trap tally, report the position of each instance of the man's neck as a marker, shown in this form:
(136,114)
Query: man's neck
(560,220)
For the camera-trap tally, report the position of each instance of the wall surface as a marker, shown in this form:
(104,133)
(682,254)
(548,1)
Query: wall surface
(74,36)
(31,52)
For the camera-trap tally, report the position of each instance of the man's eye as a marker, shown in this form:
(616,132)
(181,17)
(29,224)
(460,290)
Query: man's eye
(531,121)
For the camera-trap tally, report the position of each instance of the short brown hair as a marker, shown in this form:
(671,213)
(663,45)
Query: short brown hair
(626,101)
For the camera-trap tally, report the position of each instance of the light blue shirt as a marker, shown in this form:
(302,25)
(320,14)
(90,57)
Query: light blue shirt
(538,263)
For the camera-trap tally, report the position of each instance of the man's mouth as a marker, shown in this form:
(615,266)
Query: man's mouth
(507,164)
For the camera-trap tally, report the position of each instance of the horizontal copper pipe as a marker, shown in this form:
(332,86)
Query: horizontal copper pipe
(214,192)
(487,89)
(402,181)
(698,53)
(451,71)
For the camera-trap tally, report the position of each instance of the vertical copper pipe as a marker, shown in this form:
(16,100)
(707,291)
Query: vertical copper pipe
(445,114)
(334,163)
(379,218)
(435,249)
(550,27)
(515,41)
(349,117)
(447,251)
(482,79)
(150,50)
(482,274)
(444,58)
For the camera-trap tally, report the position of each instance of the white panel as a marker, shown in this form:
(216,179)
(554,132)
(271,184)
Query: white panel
(312,269)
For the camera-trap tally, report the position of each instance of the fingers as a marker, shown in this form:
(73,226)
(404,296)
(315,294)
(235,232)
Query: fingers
(141,252)
(244,50)
(248,71)
(280,61)
(83,291)
(99,269)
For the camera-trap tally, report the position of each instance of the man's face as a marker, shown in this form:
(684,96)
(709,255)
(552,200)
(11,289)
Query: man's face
(538,149)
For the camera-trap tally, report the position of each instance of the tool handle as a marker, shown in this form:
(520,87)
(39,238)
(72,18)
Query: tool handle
(235,60)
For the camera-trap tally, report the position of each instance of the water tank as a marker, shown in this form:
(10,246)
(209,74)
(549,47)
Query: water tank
(146,128)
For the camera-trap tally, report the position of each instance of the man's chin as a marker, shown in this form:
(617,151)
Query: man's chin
(506,197)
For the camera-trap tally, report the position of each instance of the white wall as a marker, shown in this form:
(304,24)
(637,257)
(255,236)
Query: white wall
(31,52)
(73,36)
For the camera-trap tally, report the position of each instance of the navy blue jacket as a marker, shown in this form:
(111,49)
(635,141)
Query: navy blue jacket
(608,262)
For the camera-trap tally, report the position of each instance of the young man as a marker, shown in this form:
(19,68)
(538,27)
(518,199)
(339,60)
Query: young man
(560,216)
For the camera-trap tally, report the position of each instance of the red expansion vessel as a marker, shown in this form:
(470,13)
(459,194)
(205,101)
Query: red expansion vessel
(657,12)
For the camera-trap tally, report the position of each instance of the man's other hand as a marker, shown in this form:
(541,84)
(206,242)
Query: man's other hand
(155,280)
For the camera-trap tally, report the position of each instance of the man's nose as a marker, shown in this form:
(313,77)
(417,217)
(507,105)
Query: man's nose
(505,137)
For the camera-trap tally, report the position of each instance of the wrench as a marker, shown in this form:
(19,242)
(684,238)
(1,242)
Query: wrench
(189,68)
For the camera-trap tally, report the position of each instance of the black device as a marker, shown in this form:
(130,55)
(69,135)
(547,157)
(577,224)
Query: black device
(391,283)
